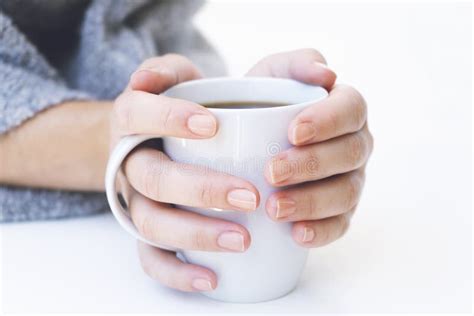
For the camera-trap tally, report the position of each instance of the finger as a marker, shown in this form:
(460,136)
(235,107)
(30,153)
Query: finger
(319,161)
(321,232)
(154,175)
(168,226)
(165,267)
(138,112)
(343,111)
(157,74)
(317,200)
(306,65)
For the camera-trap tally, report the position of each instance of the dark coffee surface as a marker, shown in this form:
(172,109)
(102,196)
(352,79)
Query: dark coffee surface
(242,105)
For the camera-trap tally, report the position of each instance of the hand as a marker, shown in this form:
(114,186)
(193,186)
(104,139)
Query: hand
(156,181)
(325,168)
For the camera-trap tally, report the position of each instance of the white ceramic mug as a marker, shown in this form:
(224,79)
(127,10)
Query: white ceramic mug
(245,140)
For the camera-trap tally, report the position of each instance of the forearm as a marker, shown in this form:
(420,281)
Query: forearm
(64,147)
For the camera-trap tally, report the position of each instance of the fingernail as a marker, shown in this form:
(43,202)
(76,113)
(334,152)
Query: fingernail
(307,235)
(280,170)
(285,207)
(302,133)
(231,241)
(242,198)
(202,125)
(202,284)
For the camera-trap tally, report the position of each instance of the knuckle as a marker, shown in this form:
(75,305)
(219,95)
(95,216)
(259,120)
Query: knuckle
(333,122)
(313,205)
(206,193)
(370,140)
(199,240)
(352,191)
(167,117)
(146,227)
(358,106)
(352,94)
(154,271)
(151,179)
(323,236)
(356,149)
(148,268)
(343,224)
(168,279)
(123,113)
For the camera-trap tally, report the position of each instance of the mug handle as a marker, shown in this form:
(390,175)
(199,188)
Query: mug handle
(121,150)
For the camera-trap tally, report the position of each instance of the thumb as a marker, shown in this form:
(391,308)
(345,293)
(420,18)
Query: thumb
(157,74)
(305,65)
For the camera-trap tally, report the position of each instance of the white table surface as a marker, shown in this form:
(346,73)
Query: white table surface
(409,247)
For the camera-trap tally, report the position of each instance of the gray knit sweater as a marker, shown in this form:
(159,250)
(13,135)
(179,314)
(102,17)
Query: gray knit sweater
(53,51)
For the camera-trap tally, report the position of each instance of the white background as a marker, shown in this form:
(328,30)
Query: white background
(409,248)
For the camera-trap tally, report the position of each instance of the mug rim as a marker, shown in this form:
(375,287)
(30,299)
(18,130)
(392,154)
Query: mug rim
(205,81)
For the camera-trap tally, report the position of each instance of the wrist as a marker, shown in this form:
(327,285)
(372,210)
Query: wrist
(64,147)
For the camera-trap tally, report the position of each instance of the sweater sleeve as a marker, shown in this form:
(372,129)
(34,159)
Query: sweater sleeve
(28,84)
(184,37)
(115,37)
(20,204)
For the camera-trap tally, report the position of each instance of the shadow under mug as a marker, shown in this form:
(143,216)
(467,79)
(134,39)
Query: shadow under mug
(246,139)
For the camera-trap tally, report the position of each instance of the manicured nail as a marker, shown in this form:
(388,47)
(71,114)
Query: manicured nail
(308,235)
(202,284)
(285,207)
(202,125)
(280,170)
(302,133)
(242,198)
(231,241)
